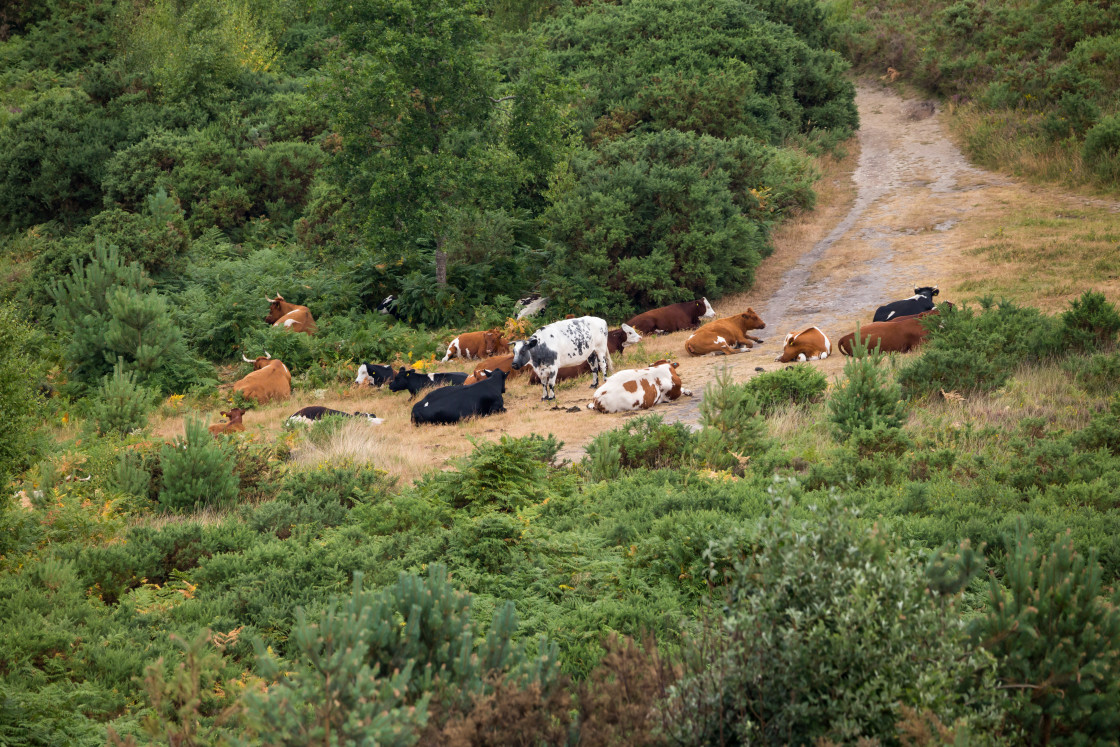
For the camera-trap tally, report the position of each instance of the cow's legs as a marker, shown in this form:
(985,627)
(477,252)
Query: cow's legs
(594,364)
(544,384)
(552,383)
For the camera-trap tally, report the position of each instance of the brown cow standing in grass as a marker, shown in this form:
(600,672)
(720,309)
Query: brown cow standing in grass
(477,345)
(270,379)
(900,335)
(673,318)
(233,426)
(727,335)
(289,315)
(810,345)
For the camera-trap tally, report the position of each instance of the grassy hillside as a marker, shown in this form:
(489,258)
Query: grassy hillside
(926,545)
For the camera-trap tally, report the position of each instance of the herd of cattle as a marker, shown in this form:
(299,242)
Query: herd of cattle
(567,349)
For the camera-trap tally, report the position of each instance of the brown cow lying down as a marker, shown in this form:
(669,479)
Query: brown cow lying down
(496,363)
(673,318)
(233,426)
(289,315)
(639,388)
(896,336)
(269,380)
(727,335)
(617,340)
(810,345)
(477,345)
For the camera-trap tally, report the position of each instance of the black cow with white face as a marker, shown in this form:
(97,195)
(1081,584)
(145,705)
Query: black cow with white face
(374,374)
(922,300)
(453,403)
(414,381)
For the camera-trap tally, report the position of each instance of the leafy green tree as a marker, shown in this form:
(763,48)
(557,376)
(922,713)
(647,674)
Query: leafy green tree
(1055,630)
(122,405)
(867,405)
(734,428)
(666,216)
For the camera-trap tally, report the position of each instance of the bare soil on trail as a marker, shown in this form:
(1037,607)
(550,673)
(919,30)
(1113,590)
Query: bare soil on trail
(903,208)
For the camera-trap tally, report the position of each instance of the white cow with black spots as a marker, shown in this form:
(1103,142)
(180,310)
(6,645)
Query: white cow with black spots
(568,342)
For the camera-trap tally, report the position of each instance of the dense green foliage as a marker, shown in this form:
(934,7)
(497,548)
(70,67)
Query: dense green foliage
(798,384)
(197,471)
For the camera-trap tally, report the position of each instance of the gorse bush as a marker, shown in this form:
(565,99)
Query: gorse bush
(645,442)
(807,652)
(122,405)
(197,471)
(798,384)
(1090,323)
(17,398)
(733,427)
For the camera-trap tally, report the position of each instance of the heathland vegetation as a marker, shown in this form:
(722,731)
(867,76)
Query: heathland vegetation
(924,551)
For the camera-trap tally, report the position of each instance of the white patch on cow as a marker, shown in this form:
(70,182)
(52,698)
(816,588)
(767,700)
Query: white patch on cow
(454,346)
(363,374)
(801,358)
(300,419)
(289,323)
(374,421)
(892,313)
(789,337)
(613,396)
(710,312)
(632,336)
(431,377)
(824,355)
(425,404)
(686,392)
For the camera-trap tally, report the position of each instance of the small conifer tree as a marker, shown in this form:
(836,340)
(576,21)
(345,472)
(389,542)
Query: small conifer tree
(734,428)
(122,404)
(1055,630)
(197,471)
(867,404)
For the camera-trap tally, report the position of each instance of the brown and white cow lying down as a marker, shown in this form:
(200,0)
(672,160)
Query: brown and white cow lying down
(673,318)
(496,363)
(289,315)
(899,335)
(270,379)
(639,388)
(810,345)
(727,335)
(477,345)
(617,340)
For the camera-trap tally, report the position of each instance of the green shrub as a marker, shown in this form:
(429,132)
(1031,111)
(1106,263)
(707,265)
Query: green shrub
(122,405)
(197,471)
(1090,323)
(733,427)
(1103,430)
(413,641)
(867,405)
(1055,631)
(645,442)
(667,216)
(968,351)
(798,384)
(810,652)
(321,497)
(129,475)
(1102,147)
(1097,374)
(17,395)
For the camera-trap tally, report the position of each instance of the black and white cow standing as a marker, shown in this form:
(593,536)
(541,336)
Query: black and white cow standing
(922,300)
(376,375)
(568,342)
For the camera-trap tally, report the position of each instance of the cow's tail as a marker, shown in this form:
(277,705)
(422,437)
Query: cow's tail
(845,345)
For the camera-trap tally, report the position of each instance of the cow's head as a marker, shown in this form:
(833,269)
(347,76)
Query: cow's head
(400,381)
(928,291)
(665,362)
(258,363)
(234,414)
(706,308)
(751,320)
(522,354)
(632,336)
(277,307)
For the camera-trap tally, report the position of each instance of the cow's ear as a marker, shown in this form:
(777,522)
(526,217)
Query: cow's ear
(533,343)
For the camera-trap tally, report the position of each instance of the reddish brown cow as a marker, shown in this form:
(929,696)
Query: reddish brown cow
(673,318)
(617,340)
(477,345)
(896,336)
(496,363)
(727,335)
(233,426)
(289,315)
(270,379)
(810,345)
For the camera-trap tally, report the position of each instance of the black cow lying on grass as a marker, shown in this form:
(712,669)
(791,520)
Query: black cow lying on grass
(414,381)
(453,403)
